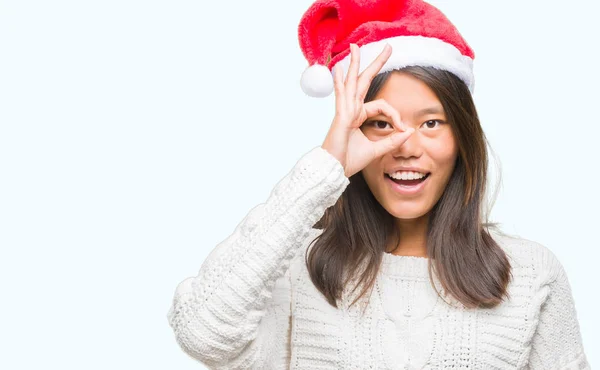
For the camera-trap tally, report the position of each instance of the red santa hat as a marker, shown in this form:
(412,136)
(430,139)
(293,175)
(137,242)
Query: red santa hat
(419,34)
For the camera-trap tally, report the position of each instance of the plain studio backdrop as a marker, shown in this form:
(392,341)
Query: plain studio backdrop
(135,136)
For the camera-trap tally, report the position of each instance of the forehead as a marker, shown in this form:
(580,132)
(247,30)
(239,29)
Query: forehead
(407,93)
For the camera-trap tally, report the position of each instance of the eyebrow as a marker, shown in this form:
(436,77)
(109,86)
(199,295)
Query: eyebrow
(431,110)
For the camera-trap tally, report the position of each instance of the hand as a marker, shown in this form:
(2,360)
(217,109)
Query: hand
(345,140)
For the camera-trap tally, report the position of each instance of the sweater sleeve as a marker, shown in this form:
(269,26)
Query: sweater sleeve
(557,342)
(229,314)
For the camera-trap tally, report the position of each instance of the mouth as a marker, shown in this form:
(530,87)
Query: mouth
(408,182)
(407,186)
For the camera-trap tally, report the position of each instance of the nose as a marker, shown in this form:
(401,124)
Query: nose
(412,147)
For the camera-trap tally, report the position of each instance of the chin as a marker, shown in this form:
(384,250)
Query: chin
(407,210)
(406,207)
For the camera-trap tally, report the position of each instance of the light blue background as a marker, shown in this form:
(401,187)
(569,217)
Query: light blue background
(135,136)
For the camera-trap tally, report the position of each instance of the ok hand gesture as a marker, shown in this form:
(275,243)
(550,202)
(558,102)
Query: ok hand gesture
(345,140)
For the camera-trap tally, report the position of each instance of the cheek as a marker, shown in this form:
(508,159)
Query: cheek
(444,153)
(370,173)
(373,175)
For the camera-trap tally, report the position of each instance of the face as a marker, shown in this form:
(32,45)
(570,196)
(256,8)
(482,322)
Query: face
(431,148)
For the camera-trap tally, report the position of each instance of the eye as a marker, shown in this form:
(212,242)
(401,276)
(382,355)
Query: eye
(429,123)
(378,124)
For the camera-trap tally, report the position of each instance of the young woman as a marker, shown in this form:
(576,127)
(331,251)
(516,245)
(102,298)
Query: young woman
(374,252)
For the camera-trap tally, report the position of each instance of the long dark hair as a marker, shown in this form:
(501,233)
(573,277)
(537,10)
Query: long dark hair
(468,262)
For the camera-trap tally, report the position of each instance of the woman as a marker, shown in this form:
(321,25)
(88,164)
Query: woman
(374,251)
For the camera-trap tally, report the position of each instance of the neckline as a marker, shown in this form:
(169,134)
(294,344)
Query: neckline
(417,267)
(405,266)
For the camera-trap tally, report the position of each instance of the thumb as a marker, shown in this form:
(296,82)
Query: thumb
(392,141)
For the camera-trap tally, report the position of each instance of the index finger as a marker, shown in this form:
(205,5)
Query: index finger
(380,106)
(366,76)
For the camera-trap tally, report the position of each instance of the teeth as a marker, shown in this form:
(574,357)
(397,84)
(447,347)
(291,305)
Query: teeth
(406,175)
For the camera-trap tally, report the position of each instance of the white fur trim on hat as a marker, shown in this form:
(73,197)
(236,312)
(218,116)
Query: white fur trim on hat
(416,50)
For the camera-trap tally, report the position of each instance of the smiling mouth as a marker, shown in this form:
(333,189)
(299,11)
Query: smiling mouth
(408,182)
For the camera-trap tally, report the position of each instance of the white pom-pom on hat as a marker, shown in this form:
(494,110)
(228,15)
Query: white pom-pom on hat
(317,81)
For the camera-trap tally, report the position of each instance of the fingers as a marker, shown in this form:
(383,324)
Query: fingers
(380,106)
(365,78)
(396,139)
(357,86)
(352,71)
(338,84)
(391,142)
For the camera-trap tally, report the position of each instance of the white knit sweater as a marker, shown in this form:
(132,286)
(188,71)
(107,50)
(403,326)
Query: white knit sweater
(253,305)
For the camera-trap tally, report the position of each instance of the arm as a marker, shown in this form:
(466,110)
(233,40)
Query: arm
(217,315)
(557,343)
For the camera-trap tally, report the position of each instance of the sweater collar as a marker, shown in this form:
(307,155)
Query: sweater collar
(405,266)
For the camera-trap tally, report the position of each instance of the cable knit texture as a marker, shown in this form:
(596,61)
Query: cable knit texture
(253,305)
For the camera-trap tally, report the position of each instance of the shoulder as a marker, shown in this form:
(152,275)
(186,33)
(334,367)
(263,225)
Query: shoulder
(529,257)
